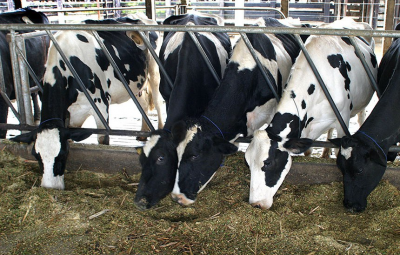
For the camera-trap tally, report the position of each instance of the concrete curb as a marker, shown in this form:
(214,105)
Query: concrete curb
(114,159)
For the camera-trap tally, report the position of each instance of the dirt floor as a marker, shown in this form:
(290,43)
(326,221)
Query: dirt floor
(95,214)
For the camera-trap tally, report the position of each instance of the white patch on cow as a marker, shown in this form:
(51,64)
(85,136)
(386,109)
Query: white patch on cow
(127,67)
(223,55)
(174,42)
(116,52)
(48,145)
(260,115)
(346,152)
(180,150)
(150,144)
(27,20)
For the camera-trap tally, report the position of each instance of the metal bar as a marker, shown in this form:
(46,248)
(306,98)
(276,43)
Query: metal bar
(270,82)
(24,78)
(361,56)
(16,75)
(233,29)
(156,58)
(237,8)
(122,78)
(30,70)
(78,79)
(322,84)
(205,57)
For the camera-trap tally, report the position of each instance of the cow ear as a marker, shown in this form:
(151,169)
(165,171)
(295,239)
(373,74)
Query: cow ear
(224,146)
(179,131)
(297,145)
(25,138)
(78,135)
(137,39)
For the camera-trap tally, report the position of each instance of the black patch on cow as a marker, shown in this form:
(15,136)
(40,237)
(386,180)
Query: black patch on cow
(346,40)
(280,121)
(308,121)
(348,96)
(351,106)
(274,165)
(311,89)
(82,38)
(292,94)
(108,83)
(303,104)
(374,62)
(337,61)
(62,65)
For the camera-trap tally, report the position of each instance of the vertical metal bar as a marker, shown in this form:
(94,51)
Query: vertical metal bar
(78,79)
(156,58)
(30,70)
(4,94)
(322,84)
(122,78)
(205,57)
(268,79)
(25,88)
(361,56)
(16,75)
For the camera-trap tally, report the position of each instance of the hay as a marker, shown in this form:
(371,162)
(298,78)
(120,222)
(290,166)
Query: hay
(307,219)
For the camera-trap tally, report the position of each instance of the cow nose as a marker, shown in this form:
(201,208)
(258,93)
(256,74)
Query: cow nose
(181,199)
(261,205)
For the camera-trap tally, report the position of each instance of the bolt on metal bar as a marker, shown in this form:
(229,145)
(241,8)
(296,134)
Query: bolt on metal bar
(122,78)
(365,65)
(322,84)
(78,79)
(267,78)
(205,57)
(30,70)
(16,79)
(156,58)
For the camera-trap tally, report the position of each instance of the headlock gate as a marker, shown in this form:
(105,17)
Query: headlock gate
(21,67)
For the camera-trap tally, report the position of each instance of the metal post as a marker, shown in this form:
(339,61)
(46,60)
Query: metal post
(122,78)
(389,13)
(322,84)
(285,7)
(16,75)
(204,55)
(25,87)
(267,78)
(150,9)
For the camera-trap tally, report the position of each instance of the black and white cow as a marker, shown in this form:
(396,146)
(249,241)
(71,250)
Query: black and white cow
(363,157)
(36,49)
(303,113)
(193,87)
(63,103)
(241,104)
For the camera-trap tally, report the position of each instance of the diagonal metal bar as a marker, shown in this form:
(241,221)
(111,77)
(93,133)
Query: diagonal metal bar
(122,78)
(205,57)
(267,78)
(156,58)
(78,79)
(322,84)
(361,56)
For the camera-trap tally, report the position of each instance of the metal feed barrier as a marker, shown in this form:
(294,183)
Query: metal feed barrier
(23,91)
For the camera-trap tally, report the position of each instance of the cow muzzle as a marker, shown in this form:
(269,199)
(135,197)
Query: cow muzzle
(263,204)
(181,199)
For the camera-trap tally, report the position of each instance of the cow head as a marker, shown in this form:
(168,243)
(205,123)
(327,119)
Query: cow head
(362,163)
(159,162)
(200,155)
(51,149)
(269,159)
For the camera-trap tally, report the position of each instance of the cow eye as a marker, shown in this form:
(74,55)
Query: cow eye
(267,163)
(194,157)
(160,160)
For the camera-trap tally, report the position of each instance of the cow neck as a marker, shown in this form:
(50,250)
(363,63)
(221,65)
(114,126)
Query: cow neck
(215,126)
(374,141)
